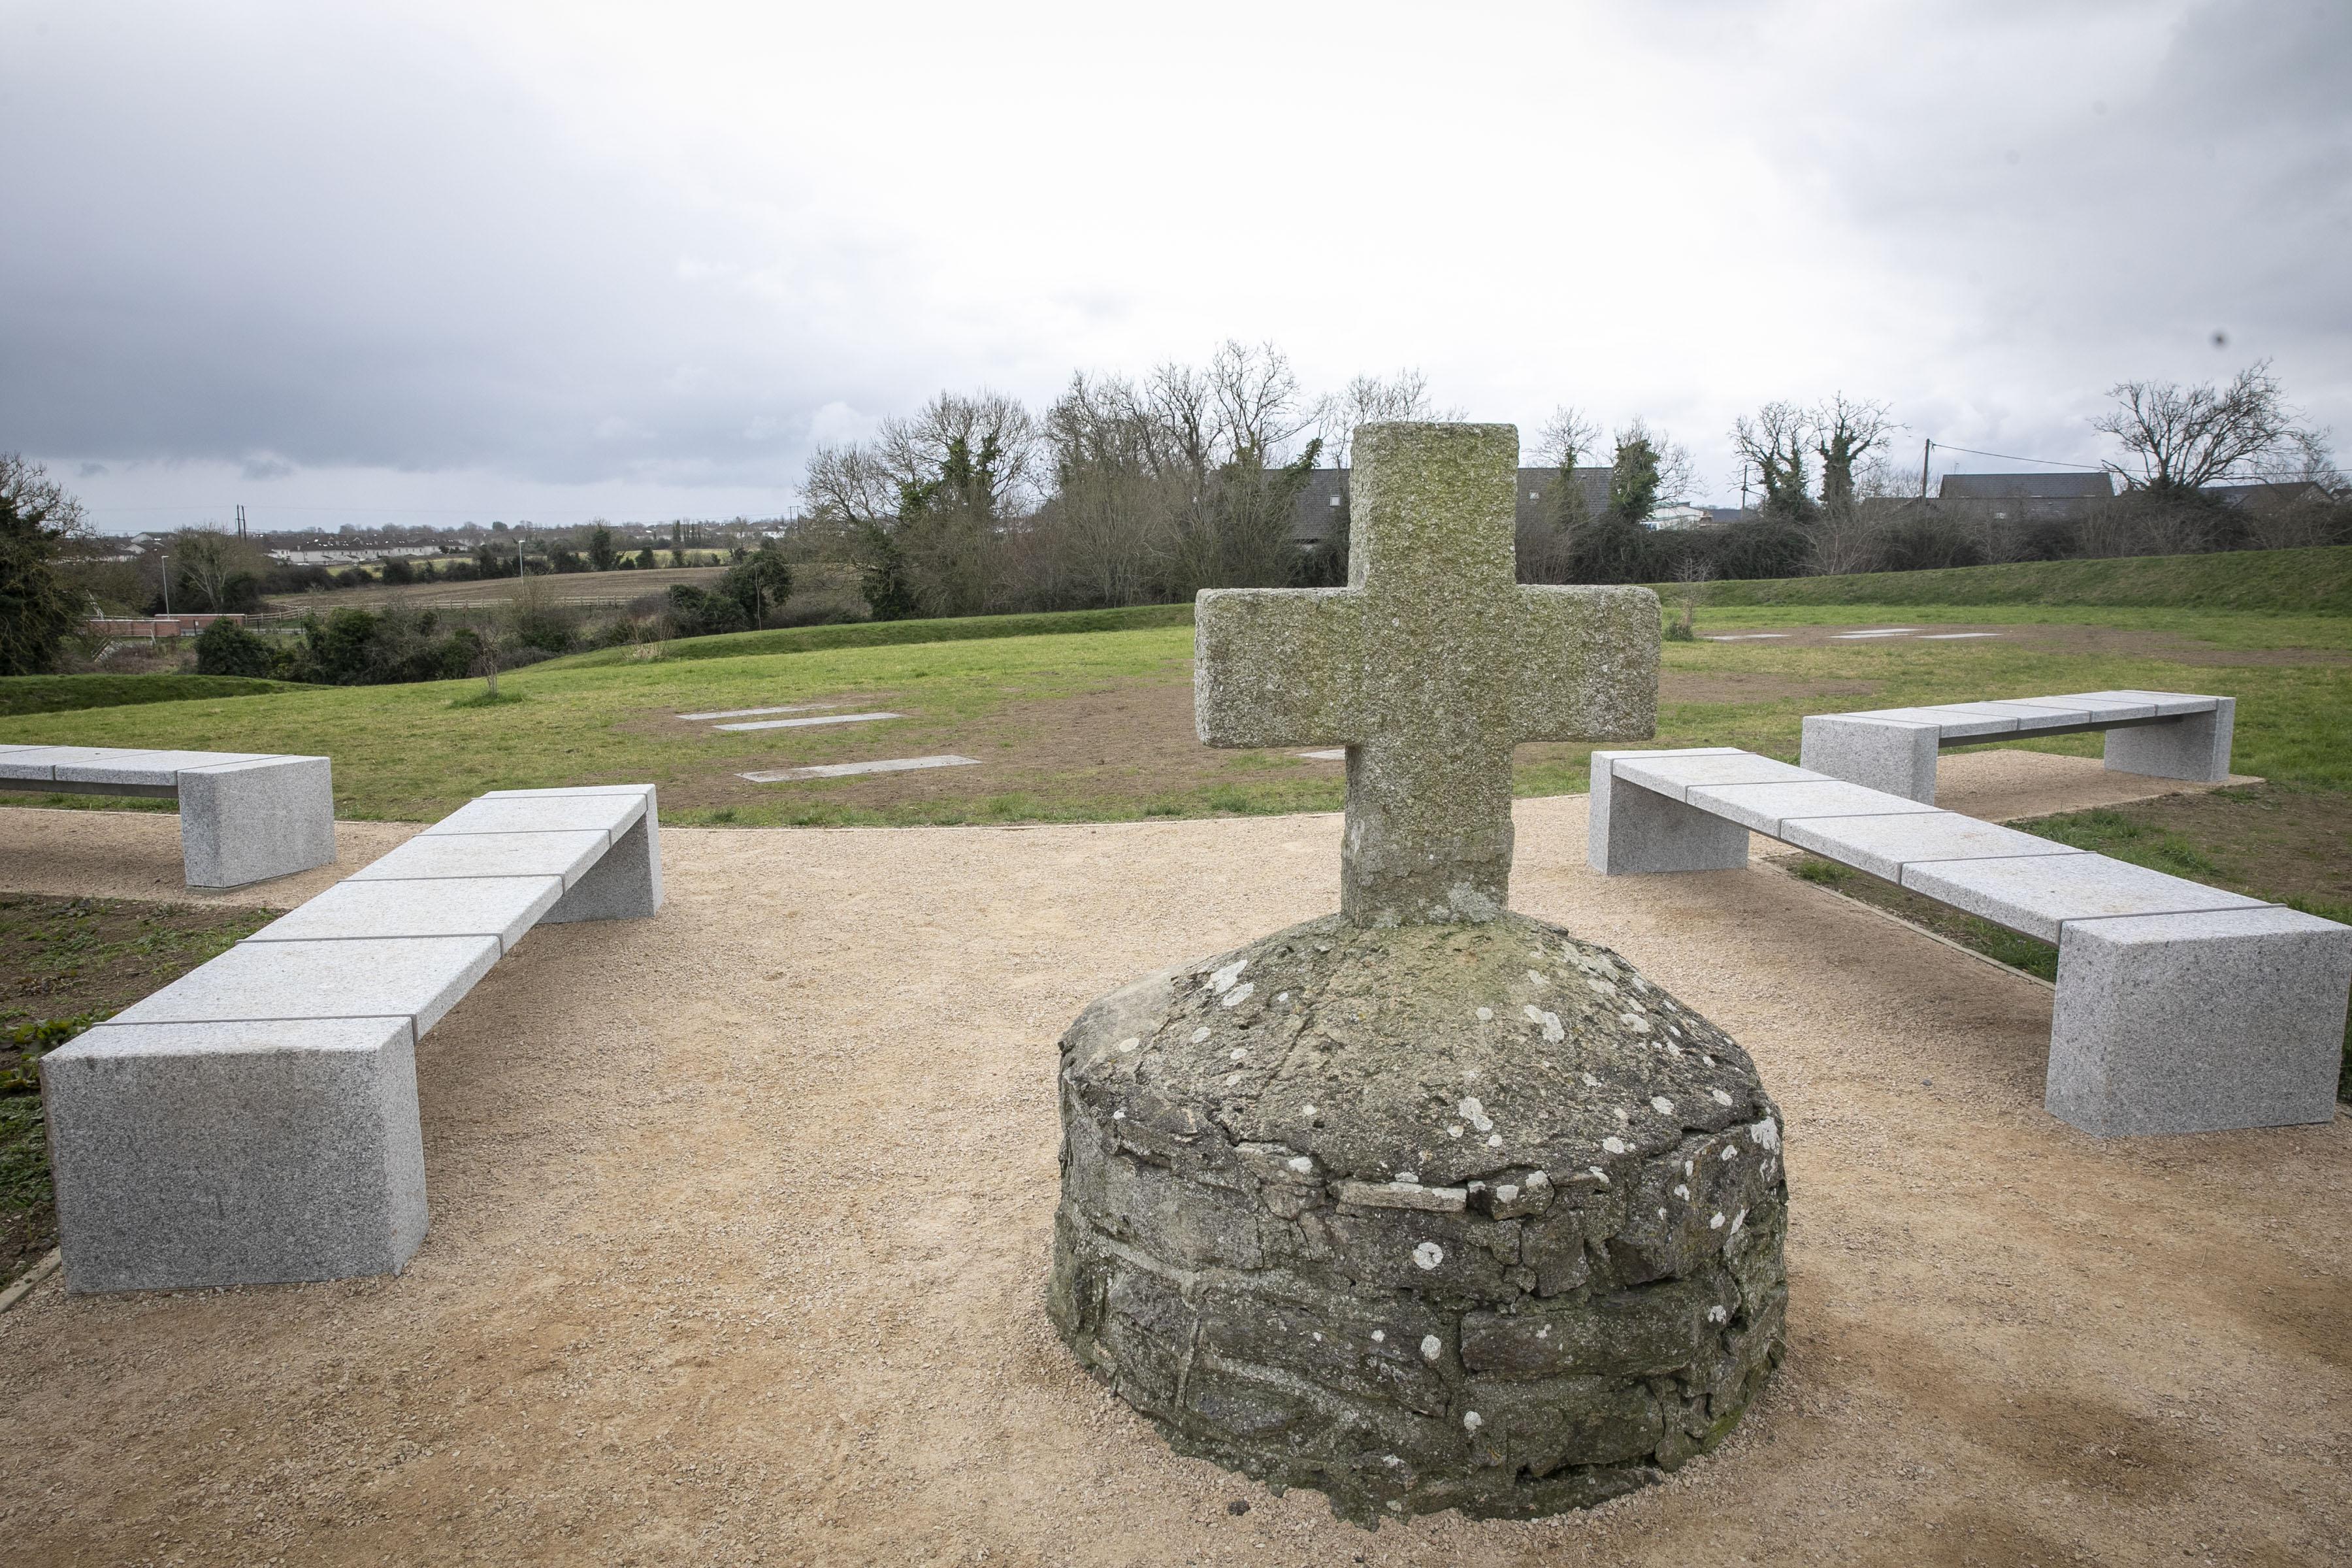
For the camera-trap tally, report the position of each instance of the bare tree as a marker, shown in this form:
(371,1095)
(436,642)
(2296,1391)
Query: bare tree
(1369,399)
(1776,441)
(208,562)
(1566,438)
(1846,431)
(2177,439)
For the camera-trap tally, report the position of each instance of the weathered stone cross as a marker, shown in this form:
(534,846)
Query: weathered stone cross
(1428,667)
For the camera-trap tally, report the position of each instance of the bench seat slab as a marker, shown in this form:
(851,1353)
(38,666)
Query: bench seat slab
(501,906)
(2038,895)
(1766,807)
(417,978)
(610,814)
(567,854)
(199,1155)
(1884,844)
(1674,774)
(2198,1023)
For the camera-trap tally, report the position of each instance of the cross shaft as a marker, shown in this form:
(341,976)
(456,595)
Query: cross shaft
(1428,667)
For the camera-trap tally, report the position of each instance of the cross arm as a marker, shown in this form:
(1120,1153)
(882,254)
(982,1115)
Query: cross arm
(1583,664)
(1279,667)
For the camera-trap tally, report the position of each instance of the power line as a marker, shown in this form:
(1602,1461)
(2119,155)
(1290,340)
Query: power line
(2013,458)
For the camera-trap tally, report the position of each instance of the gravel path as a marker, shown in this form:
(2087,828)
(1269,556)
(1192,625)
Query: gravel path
(740,1226)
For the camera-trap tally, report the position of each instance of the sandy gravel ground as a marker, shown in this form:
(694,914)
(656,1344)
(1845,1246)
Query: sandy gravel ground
(740,1226)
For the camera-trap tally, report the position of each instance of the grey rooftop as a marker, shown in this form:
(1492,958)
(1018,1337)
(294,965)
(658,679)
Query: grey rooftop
(2163,734)
(244,816)
(2181,1008)
(256,1120)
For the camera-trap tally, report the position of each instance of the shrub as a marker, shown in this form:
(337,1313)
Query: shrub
(695,613)
(225,648)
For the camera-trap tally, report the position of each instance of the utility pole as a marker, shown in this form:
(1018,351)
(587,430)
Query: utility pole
(1925,452)
(1743,487)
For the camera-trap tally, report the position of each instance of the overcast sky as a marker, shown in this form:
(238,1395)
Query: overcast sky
(441,261)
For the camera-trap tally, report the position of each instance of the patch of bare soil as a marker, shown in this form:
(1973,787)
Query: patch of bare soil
(1127,744)
(741,1219)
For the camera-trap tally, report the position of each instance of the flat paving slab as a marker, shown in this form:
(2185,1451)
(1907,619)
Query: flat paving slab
(2038,894)
(1336,754)
(557,814)
(420,978)
(567,855)
(501,906)
(1675,773)
(812,719)
(1877,632)
(1766,806)
(1954,636)
(756,713)
(851,769)
(1883,844)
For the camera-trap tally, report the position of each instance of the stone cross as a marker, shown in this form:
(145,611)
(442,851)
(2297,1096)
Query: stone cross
(1428,667)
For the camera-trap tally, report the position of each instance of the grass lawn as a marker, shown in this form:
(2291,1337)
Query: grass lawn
(1097,725)
(65,965)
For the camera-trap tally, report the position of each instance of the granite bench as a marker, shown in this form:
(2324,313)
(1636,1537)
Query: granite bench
(2181,1008)
(244,816)
(256,1120)
(2165,734)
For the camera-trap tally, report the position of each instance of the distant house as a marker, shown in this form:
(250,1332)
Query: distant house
(2031,497)
(1324,495)
(2269,498)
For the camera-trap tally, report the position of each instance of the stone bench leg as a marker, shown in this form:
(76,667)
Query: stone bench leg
(625,885)
(1630,830)
(2198,1023)
(196,1155)
(1878,753)
(248,822)
(2194,746)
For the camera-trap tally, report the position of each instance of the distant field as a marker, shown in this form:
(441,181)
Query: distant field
(883,634)
(1098,725)
(566,587)
(2284,581)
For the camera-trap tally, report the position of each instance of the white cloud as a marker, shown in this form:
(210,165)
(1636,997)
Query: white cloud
(624,254)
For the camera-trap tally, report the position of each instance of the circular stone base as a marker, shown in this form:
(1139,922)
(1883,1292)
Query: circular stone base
(1458,1217)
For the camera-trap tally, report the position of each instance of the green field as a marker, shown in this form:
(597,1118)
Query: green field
(72,693)
(1095,725)
(2281,582)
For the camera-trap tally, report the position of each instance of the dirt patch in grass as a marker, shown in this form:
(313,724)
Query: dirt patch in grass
(66,963)
(1124,749)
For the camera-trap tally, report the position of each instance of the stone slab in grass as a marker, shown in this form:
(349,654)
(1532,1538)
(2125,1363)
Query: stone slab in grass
(1955,637)
(419,978)
(755,712)
(1878,632)
(1336,754)
(852,770)
(1883,844)
(2037,894)
(567,855)
(503,907)
(804,723)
